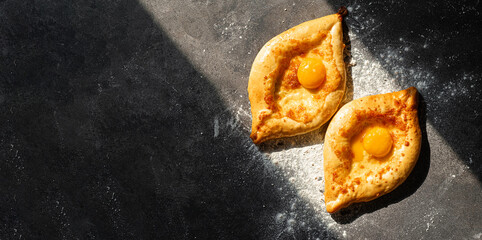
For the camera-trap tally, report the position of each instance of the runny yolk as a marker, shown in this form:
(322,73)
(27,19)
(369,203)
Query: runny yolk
(377,141)
(311,73)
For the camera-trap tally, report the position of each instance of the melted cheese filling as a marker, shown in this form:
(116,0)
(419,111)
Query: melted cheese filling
(372,151)
(301,103)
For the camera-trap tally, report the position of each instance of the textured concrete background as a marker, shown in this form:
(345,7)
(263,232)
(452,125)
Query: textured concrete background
(130,120)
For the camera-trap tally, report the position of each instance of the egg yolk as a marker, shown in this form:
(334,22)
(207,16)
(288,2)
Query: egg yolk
(311,73)
(377,141)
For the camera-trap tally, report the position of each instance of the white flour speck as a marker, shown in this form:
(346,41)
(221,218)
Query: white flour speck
(216,126)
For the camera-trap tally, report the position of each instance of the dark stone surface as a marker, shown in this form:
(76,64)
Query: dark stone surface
(107,119)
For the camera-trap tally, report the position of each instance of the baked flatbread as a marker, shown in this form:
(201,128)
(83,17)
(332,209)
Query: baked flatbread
(287,99)
(371,146)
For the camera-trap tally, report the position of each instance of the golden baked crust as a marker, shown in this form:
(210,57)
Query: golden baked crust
(348,181)
(280,107)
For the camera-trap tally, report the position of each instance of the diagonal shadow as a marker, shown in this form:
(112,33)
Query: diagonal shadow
(107,132)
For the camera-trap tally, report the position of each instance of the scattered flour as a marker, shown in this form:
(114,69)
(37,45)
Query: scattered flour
(216,126)
(232,26)
(300,159)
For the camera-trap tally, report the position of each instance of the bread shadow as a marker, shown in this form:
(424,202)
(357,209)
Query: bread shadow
(406,189)
(316,136)
(348,66)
